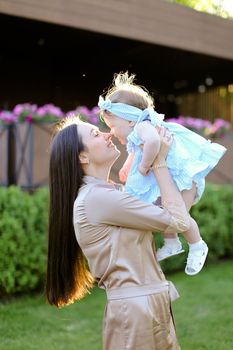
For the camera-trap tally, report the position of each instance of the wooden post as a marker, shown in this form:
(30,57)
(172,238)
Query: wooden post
(11,175)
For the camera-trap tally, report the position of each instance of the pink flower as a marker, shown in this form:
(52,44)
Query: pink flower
(220,123)
(84,110)
(28,119)
(95,110)
(50,109)
(94,119)
(20,108)
(173,120)
(8,117)
(204,127)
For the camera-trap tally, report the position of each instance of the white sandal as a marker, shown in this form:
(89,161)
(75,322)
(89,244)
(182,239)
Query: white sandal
(168,251)
(196,260)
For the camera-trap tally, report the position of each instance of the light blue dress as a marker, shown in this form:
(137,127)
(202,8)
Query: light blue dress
(190,158)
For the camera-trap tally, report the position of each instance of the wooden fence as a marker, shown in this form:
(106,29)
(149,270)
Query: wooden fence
(24,157)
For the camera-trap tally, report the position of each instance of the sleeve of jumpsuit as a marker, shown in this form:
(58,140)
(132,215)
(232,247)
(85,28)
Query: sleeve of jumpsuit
(109,206)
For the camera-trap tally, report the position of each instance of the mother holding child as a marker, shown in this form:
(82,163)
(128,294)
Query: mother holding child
(100,233)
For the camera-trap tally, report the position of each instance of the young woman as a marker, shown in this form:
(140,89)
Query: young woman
(94,224)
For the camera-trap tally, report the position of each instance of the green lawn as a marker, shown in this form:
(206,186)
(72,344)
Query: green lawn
(204,317)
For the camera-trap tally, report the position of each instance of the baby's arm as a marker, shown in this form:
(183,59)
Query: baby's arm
(151,145)
(123,173)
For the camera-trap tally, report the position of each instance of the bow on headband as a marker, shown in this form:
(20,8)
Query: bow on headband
(131,113)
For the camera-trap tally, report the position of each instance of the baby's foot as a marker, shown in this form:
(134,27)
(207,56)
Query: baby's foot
(196,259)
(169,250)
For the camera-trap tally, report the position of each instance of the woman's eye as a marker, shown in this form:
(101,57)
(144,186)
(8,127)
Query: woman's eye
(96,133)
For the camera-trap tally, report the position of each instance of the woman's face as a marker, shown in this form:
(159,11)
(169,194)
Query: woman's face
(99,146)
(120,128)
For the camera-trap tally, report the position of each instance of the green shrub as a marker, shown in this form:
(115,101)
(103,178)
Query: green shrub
(23,226)
(23,232)
(214,216)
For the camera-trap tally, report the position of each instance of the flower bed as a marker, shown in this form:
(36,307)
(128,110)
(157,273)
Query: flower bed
(31,113)
(28,113)
(24,161)
(218,129)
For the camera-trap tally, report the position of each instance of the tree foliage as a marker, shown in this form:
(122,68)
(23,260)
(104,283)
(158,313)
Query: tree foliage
(215,7)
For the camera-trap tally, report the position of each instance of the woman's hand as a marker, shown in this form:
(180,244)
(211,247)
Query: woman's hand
(144,170)
(166,140)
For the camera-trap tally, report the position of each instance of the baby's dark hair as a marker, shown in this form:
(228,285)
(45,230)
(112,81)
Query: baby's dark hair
(124,90)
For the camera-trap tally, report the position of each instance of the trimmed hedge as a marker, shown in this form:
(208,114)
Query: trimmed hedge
(23,234)
(23,226)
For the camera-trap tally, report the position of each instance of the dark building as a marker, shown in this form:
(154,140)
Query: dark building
(67,54)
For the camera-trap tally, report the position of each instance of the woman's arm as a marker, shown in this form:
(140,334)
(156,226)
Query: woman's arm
(106,205)
(170,195)
(171,199)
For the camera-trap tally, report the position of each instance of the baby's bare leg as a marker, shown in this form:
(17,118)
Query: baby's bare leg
(189,196)
(172,244)
(197,247)
(193,234)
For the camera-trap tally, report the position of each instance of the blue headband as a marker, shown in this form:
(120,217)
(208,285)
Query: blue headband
(129,112)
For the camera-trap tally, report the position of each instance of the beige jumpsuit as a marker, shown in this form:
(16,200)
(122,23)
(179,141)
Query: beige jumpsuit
(114,230)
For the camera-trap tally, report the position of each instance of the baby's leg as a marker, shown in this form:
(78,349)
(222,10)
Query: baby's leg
(197,247)
(193,234)
(188,197)
(172,245)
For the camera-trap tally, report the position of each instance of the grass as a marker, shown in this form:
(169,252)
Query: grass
(204,316)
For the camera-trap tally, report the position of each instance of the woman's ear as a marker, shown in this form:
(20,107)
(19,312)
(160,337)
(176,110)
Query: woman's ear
(83,158)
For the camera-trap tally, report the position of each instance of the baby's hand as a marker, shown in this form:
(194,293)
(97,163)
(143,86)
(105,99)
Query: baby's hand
(143,170)
(123,174)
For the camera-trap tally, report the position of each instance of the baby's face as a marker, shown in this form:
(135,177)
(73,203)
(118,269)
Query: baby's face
(120,128)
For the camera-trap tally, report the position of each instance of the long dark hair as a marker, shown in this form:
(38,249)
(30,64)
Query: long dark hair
(68,277)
